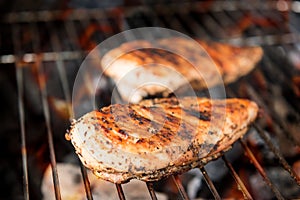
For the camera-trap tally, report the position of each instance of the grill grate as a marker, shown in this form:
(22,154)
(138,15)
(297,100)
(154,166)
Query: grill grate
(261,170)
(43,40)
(210,184)
(237,179)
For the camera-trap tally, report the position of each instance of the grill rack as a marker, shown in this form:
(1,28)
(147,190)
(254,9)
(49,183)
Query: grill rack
(22,58)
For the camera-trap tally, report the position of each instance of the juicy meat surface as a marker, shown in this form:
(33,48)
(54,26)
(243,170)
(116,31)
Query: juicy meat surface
(160,137)
(140,68)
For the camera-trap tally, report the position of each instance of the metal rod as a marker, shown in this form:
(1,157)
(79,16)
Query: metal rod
(46,56)
(80,14)
(72,34)
(120,192)
(86,182)
(20,87)
(49,134)
(181,189)
(279,123)
(237,179)
(67,95)
(276,151)
(172,21)
(151,190)
(23,134)
(45,105)
(61,71)
(196,28)
(261,170)
(210,184)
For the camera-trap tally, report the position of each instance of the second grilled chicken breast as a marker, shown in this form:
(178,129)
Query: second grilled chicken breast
(141,68)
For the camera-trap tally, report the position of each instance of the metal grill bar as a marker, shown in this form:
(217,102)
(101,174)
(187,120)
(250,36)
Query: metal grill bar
(71,32)
(75,55)
(170,20)
(181,189)
(45,105)
(120,192)
(81,14)
(20,88)
(275,150)
(262,172)
(264,136)
(151,190)
(49,131)
(86,182)
(237,179)
(211,26)
(66,91)
(196,28)
(19,75)
(278,123)
(46,56)
(210,184)
(61,71)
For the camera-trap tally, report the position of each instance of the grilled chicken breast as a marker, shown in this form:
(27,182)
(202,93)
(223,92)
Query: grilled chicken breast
(140,68)
(160,137)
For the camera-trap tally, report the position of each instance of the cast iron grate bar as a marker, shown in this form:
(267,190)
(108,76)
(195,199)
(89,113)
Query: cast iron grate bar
(151,190)
(61,70)
(72,33)
(20,88)
(170,20)
(66,91)
(120,192)
(19,75)
(237,179)
(278,122)
(210,184)
(196,28)
(260,169)
(267,140)
(47,56)
(80,14)
(180,187)
(45,106)
(276,151)
(86,182)
(281,76)
(265,136)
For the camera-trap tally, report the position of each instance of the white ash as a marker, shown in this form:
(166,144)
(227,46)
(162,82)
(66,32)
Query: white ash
(72,188)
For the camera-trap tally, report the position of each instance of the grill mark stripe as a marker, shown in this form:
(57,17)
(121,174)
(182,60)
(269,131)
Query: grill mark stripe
(173,122)
(165,125)
(204,116)
(164,55)
(168,123)
(163,137)
(139,54)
